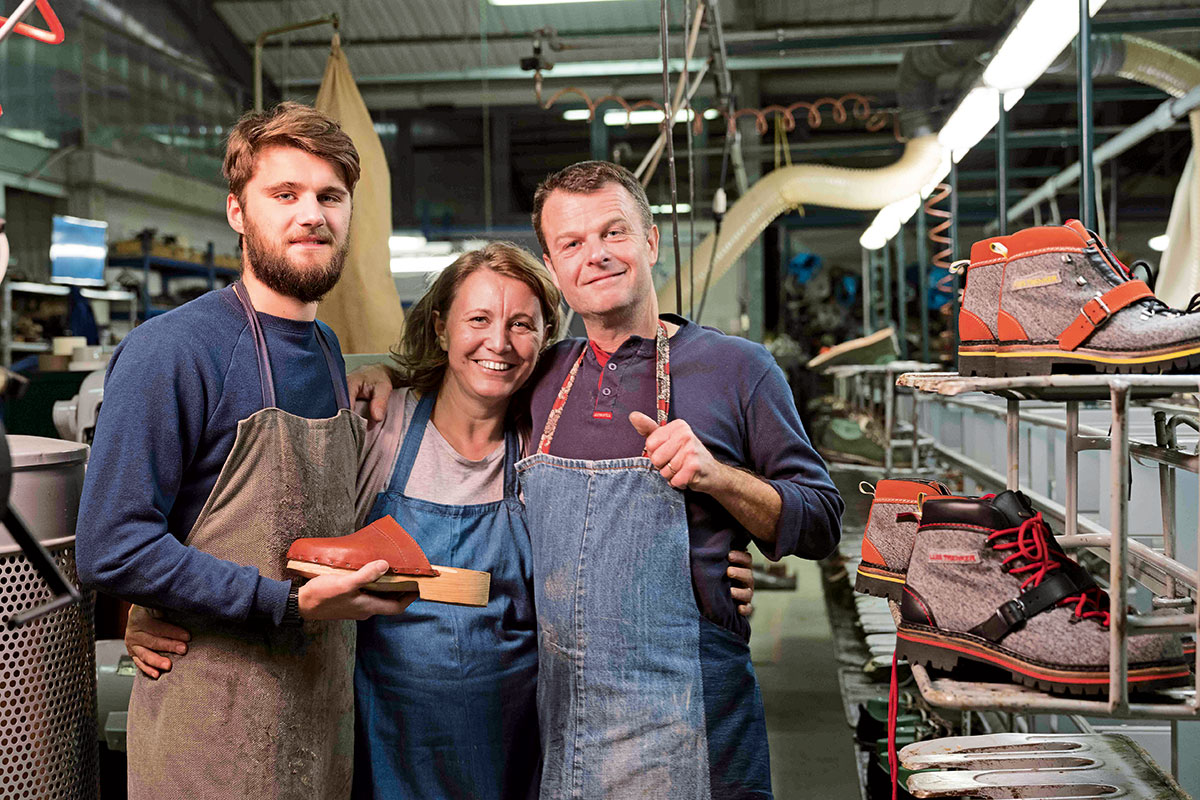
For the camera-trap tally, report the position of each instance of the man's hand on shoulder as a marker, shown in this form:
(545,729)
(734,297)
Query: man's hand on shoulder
(371,384)
(343,596)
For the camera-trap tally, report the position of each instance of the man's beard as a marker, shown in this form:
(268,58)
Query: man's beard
(269,263)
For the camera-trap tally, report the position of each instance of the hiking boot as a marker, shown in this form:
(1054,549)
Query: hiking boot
(1054,299)
(981,589)
(888,540)
(978,313)
(879,347)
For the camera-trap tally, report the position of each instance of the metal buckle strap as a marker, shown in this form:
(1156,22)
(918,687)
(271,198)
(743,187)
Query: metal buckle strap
(1099,309)
(1013,614)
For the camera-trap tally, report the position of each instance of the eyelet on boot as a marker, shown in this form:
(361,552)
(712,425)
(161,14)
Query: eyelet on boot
(1074,618)
(1066,259)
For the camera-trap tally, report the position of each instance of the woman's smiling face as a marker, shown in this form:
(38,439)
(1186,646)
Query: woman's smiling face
(492,335)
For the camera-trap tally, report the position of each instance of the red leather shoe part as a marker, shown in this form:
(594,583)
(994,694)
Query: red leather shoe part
(383,538)
(1095,312)
(1009,329)
(971,328)
(891,490)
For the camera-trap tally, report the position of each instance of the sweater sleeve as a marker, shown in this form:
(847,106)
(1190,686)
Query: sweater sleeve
(780,452)
(157,398)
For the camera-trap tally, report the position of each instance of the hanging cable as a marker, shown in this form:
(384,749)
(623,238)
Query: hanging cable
(667,126)
(718,215)
(691,161)
(487,120)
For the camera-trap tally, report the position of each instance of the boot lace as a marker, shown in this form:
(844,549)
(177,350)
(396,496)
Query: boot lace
(1034,559)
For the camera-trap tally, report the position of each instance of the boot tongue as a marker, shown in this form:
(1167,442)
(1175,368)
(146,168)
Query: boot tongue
(1014,506)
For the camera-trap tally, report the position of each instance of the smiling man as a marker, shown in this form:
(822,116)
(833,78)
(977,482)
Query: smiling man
(225,434)
(645,686)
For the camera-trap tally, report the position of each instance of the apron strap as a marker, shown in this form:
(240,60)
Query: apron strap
(335,372)
(512,454)
(264,359)
(260,346)
(412,443)
(662,380)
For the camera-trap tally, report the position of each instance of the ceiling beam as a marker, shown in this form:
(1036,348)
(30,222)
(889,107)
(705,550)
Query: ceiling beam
(221,47)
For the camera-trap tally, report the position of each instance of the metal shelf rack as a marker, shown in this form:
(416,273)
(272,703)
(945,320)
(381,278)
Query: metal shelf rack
(170,268)
(8,346)
(873,387)
(1161,572)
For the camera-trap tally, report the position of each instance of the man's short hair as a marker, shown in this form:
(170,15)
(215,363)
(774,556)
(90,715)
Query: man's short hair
(287,125)
(587,177)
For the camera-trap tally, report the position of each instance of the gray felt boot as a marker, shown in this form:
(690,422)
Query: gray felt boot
(888,539)
(983,589)
(1055,299)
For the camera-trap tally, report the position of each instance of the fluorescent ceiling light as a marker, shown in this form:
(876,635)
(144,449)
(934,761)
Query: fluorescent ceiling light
(1160,243)
(974,118)
(408,264)
(1039,36)
(643,116)
(543,2)
(682,208)
(406,242)
(888,221)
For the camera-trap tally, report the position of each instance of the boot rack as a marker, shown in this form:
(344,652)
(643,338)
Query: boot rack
(1174,584)
(872,388)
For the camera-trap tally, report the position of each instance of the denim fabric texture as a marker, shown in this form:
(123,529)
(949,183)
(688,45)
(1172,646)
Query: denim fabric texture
(445,694)
(620,691)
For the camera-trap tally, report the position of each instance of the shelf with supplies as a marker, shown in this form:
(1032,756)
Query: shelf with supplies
(8,346)
(1172,584)
(169,267)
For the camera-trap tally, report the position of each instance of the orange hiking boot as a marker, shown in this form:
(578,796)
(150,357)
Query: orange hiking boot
(888,539)
(1054,299)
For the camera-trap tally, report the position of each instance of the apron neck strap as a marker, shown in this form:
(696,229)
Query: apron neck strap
(416,434)
(264,358)
(412,442)
(335,370)
(260,346)
(662,380)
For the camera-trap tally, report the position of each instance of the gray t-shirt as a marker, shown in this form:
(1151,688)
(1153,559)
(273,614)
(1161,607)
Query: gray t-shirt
(440,473)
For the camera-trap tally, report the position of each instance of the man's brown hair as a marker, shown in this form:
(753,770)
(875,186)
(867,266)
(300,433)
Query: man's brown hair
(287,125)
(587,177)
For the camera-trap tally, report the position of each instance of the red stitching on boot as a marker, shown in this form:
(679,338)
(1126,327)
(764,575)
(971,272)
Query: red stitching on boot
(924,608)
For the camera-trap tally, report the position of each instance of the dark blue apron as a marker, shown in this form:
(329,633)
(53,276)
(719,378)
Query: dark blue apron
(446,695)
(639,696)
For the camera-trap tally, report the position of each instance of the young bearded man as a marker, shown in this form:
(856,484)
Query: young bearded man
(225,434)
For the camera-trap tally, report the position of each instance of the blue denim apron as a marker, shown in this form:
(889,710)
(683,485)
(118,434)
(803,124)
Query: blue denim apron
(620,639)
(444,694)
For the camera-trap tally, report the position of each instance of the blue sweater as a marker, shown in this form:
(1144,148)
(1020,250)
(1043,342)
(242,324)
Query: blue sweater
(738,403)
(174,393)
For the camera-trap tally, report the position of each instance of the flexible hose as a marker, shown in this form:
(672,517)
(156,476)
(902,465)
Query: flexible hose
(808,184)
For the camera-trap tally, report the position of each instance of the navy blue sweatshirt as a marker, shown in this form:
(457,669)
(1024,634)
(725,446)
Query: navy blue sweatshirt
(175,390)
(738,403)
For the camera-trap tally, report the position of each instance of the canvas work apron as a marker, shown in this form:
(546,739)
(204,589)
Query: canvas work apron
(254,711)
(445,694)
(620,693)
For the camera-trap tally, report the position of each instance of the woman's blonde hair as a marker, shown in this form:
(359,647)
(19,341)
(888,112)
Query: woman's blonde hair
(421,360)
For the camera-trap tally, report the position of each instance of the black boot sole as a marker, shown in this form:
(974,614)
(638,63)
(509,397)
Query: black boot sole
(944,650)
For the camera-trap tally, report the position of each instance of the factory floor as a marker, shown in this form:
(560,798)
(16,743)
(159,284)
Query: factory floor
(812,747)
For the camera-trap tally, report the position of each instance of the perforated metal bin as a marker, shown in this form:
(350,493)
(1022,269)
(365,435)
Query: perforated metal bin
(48,743)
